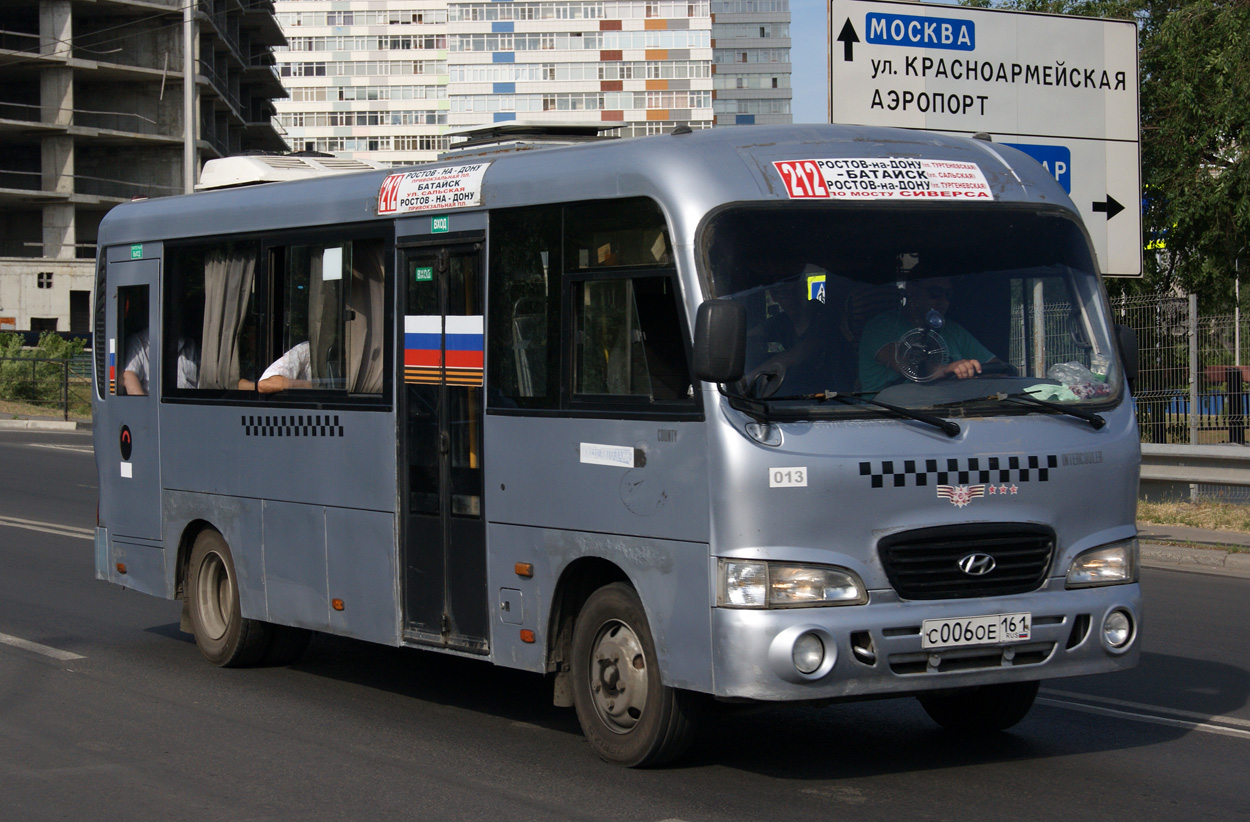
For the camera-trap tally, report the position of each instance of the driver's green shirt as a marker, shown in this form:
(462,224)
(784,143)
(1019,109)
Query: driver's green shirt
(888,328)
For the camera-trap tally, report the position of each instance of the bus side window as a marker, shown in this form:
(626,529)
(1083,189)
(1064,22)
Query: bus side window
(327,323)
(524,320)
(209,318)
(612,233)
(132,373)
(629,340)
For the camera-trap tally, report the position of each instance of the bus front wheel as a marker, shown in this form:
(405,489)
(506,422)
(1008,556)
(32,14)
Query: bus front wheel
(628,715)
(223,635)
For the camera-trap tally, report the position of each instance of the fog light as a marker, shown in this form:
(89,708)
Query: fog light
(808,654)
(1117,629)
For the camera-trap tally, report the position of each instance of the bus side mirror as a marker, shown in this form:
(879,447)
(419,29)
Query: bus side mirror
(1126,338)
(720,341)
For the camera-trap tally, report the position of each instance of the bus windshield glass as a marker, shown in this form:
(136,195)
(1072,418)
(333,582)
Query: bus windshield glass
(956,309)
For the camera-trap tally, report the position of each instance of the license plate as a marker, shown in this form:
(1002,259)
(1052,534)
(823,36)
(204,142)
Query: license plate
(994,629)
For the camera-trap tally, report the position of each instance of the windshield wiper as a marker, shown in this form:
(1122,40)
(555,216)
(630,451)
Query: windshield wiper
(758,407)
(752,406)
(950,429)
(1096,420)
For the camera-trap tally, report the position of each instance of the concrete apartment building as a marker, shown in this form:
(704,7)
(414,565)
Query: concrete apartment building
(752,62)
(387,80)
(92,115)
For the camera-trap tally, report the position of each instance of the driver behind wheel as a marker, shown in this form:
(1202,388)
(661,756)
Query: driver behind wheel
(916,341)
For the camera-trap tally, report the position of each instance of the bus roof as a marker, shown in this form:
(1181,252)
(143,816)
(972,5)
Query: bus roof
(689,173)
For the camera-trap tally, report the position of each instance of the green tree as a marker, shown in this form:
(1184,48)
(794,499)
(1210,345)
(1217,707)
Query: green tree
(1195,115)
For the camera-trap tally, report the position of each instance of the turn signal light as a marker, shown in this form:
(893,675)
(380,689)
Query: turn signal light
(336,604)
(527,635)
(121,567)
(524,569)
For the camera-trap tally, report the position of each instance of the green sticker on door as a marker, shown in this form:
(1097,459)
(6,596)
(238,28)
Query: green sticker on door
(424,275)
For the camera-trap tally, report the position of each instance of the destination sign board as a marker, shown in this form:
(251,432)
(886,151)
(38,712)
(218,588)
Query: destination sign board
(1062,89)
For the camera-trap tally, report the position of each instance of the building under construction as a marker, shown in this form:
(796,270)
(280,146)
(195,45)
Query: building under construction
(93,102)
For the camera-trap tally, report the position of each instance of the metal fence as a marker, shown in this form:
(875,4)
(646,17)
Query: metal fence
(29,384)
(1194,371)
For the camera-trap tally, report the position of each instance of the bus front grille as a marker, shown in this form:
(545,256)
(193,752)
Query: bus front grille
(926,563)
(952,660)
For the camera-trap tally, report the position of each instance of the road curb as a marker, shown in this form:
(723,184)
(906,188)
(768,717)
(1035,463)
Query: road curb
(1213,559)
(44,425)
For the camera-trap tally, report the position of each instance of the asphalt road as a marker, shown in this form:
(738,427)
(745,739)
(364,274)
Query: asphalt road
(112,714)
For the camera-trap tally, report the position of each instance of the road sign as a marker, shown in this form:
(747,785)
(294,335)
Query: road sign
(1062,89)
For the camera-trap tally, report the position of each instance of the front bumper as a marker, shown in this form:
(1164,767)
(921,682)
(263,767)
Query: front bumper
(875,649)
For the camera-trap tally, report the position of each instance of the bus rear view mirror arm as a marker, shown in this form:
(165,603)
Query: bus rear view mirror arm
(720,341)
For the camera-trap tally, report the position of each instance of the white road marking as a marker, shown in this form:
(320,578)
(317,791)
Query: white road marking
(1156,720)
(27,645)
(49,528)
(1227,720)
(81,449)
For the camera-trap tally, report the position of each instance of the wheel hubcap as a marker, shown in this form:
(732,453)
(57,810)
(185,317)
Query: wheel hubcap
(618,677)
(213,596)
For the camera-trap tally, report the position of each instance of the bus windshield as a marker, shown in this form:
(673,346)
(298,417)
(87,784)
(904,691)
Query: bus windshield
(951,308)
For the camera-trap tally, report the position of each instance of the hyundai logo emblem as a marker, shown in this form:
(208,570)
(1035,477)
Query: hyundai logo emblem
(977,565)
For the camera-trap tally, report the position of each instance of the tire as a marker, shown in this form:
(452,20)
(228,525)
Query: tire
(981,710)
(223,635)
(628,715)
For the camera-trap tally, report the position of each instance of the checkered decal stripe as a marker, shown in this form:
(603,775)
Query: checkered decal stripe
(292,425)
(959,471)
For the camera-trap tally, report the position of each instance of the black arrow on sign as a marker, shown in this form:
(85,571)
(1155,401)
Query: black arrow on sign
(848,38)
(1111,207)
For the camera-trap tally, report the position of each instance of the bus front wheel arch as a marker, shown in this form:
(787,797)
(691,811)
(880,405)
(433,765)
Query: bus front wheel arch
(626,712)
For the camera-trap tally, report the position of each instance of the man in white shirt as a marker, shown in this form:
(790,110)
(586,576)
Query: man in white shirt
(292,370)
(135,377)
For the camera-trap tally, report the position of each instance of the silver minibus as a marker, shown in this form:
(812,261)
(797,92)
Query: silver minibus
(757,415)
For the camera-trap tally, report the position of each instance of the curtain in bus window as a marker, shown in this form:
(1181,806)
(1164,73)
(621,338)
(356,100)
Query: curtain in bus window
(229,272)
(365,332)
(325,278)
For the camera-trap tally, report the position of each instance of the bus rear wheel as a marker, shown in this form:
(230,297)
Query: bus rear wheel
(628,715)
(981,710)
(223,635)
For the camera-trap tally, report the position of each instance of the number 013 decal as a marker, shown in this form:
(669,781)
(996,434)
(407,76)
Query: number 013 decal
(787,477)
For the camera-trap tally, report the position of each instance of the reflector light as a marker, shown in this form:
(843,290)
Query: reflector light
(121,567)
(525,569)
(336,604)
(527,635)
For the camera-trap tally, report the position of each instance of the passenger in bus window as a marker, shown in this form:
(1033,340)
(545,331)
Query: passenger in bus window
(886,356)
(135,376)
(292,370)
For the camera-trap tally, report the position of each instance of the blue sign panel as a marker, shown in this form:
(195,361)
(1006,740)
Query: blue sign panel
(921,32)
(1055,159)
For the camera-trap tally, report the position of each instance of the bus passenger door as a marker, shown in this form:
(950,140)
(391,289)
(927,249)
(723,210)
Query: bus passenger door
(131,506)
(442,360)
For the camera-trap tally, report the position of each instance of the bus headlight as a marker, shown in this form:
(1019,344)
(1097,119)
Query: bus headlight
(1117,629)
(776,585)
(1108,565)
(808,654)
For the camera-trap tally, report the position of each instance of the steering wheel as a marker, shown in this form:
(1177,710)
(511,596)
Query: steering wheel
(920,353)
(764,383)
(997,369)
